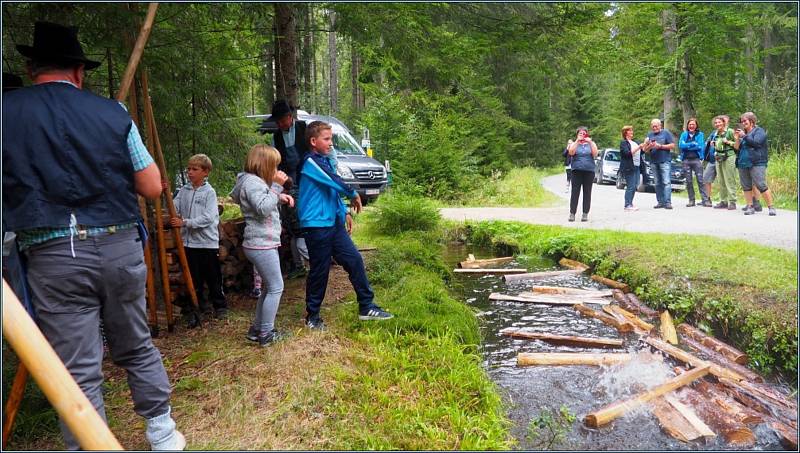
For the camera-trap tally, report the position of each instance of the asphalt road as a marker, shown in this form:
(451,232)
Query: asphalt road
(607,213)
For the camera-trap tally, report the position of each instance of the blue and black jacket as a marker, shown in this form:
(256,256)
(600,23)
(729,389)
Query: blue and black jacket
(319,203)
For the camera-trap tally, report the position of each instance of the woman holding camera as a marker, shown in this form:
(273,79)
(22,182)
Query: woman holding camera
(630,165)
(582,151)
(726,168)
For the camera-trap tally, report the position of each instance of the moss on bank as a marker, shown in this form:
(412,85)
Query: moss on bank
(743,292)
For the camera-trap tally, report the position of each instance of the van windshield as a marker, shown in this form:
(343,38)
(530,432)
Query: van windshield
(344,143)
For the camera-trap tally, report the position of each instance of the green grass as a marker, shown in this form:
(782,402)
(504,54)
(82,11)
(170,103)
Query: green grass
(521,187)
(782,179)
(744,292)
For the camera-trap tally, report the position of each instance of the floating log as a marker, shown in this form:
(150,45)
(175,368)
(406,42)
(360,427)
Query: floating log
(623,327)
(571,358)
(572,264)
(633,305)
(726,350)
(544,299)
(692,360)
(725,403)
(611,283)
(575,298)
(490,271)
(719,359)
(615,410)
(541,275)
(571,291)
(783,408)
(667,328)
(679,420)
(563,339)
(633,319)
(476,264)
(733,431)
(758,403)
(787,434)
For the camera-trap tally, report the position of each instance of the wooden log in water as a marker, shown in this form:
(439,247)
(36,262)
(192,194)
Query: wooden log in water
(543,299)
(679,420)
(779,405)
(786,434)
(477,264)
(574,298)
(773,411)
(692,360)
(571,358)
(633,319)
(741,413)
(611,283)
(615,410)
(490,271)
(726,350)
(733,431)
(634,305)
(571,291)
(540,275)
(667,328)
(563,339)
(719,359)
(623,327)
(572,264)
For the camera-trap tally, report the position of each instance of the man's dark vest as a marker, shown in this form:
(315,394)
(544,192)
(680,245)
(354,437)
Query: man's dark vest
(291,158)
(65,151)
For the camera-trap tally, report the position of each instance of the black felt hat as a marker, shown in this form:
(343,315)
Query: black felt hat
(54,43)
(280,109)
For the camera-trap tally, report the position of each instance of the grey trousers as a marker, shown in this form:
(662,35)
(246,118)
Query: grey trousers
(104,280)
(694,166)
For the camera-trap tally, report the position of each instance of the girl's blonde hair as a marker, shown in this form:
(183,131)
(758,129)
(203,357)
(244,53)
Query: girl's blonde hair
(262,161)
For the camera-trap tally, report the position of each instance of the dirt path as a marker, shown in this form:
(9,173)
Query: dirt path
(607,213)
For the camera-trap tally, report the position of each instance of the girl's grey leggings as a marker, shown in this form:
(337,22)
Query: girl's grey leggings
(267,263)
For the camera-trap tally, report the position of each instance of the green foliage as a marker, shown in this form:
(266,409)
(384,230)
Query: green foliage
(782,178)
(550,427)
(397,213)
(519,187)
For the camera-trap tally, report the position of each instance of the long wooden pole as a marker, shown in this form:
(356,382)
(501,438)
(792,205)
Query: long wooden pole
(726,350)
(685,357)
(136,54)
(159,154)
(571,358)
(53,378)
(615,410)
(14,400)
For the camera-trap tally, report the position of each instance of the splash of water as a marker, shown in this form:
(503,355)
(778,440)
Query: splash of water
(622,381)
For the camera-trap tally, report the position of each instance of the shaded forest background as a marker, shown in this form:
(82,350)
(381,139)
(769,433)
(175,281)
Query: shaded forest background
(452,93)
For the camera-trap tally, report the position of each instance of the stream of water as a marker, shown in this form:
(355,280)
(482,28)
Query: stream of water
(581,389)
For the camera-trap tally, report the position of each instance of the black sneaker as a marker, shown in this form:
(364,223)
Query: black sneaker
(571,217)
(668,206)
(221,313)
(658,206)
(375,313)
(252,334)
(192,320)
(691,204)
(707,204)
(315,323)
(271,337)
(721,205)
(757,206)
(748,210)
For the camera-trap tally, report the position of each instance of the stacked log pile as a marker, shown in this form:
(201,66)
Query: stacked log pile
(237,272)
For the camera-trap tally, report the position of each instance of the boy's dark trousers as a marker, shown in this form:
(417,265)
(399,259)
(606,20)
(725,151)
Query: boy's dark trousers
(324,243)
(205,270)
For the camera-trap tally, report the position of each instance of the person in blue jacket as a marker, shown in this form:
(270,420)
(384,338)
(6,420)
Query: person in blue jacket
(692,154)
(326,225)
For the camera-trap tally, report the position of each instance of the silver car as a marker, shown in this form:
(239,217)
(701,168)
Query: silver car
(606,166)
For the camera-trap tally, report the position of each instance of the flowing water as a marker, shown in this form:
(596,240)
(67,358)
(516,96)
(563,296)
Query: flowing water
(581,389)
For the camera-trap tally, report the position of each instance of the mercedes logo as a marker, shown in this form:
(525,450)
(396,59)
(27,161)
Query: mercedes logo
(371,174)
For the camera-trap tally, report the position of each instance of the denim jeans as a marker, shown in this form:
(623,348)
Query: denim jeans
(631,183)
(663,183)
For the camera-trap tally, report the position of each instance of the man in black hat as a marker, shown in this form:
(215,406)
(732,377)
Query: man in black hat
(73,163)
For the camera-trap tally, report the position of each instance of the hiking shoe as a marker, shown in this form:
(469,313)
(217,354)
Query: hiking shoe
(252,333)
(255,293)
(731,206)
(707,204)
(296,273)
(721,205)
(585,217)
(772,211)
(315,323)
(271,337)
(658,206)
(757,206)
(668,206)
(221,313)
(572,217)
(748,210)
(375,313)
(691,204)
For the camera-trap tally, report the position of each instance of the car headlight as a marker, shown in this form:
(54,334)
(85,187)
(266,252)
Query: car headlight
(345,172)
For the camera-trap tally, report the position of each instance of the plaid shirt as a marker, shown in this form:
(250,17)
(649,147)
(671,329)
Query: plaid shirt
(141,159)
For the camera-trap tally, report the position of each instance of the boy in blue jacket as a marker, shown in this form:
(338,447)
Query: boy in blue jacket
(327,225)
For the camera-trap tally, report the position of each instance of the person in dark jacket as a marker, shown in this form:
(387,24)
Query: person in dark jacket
(73,164)
(630,165)
(754,172)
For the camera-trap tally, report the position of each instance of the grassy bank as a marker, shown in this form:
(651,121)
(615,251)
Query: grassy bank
(744,292)
(520,187)
(414,382)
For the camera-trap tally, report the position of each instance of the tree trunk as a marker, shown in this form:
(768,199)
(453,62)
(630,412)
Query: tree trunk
(355,70)
(334,69)
(669,33)
(269,72)
(308,56)
(286,53)
(768,62)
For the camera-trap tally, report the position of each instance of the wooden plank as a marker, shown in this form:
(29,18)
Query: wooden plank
(572,264)
(690,416)
(571,358)
(634,305)
(611,283)
(713,356)
(477,264)
(490,271)
(542,299)
(622,327)
(633,319)
(673,422)
(563,339)
(615,410)
(576,298)
(726,350)
(541,275)
(692,360)
(563,290)
(733,431)
(667,328)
